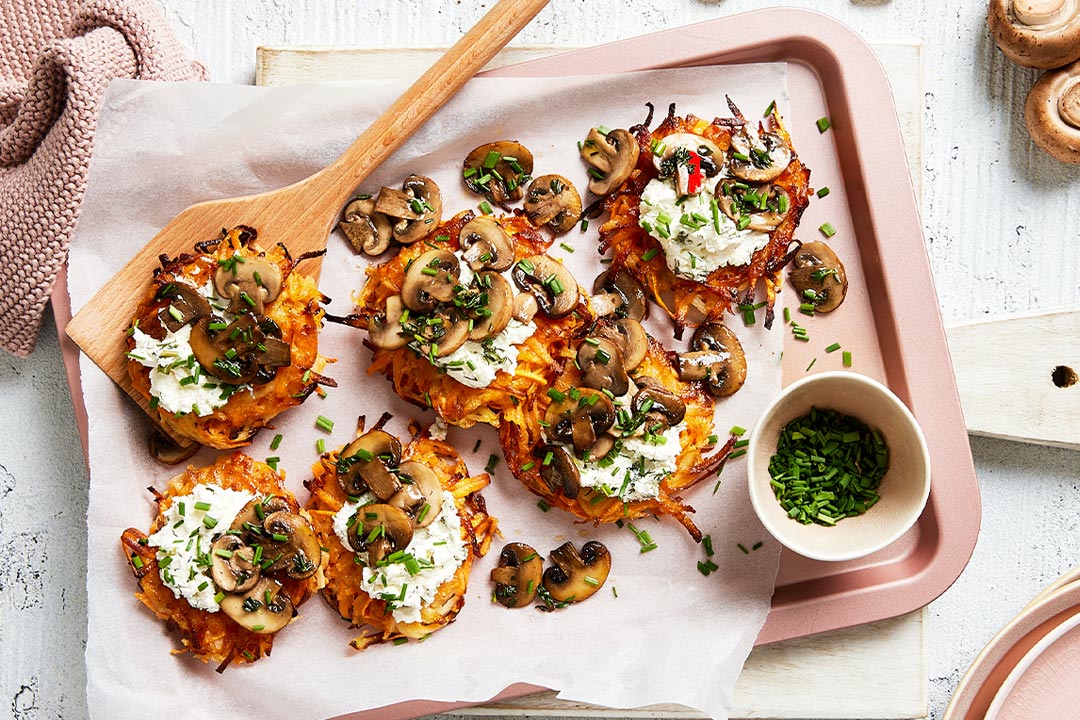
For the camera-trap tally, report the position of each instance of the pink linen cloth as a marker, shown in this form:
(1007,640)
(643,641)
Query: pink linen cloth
(56,58)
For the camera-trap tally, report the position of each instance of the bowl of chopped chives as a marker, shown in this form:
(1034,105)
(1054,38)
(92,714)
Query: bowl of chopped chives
(838,467)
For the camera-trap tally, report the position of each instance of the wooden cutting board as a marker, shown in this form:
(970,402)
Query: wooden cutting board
(805,677)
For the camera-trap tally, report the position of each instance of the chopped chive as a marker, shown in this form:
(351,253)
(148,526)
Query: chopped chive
(528,466)
(823,124)
(768,110)
(833,348)
(650,254)
(324,423)
(827,230)
(757,545)
(273,462)
(743,548)
(137,561)
(706,542)
(847,359)
(403,640)
(543,506)
(737,430)
(320,446)
(737,454)
(566,247)
(485,208)
(823,192)
(811,364)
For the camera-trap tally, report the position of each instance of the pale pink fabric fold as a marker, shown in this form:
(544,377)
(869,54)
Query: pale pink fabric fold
(56,58)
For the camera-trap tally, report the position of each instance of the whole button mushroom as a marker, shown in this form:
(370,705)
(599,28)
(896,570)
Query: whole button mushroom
(1036,33)
(518,576)
(1052,113)
(574,576)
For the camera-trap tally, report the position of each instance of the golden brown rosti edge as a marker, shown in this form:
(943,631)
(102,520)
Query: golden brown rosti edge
(297,311)
(416,380)
(211,637)
(343,589)
(522,433)
(687,301)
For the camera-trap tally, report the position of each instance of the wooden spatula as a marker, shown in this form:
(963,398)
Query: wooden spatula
(304,212)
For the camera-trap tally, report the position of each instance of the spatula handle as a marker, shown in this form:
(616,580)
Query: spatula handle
(434,88)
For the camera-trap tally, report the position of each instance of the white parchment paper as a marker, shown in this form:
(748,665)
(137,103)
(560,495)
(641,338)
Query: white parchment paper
(670,635)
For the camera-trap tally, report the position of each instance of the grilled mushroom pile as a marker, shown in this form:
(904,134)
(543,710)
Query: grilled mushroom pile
(403,216)
(571,578)
(407,495)
(266,542)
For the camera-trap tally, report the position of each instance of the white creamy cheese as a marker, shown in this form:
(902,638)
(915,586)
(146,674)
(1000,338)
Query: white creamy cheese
(475,364)
(438,548)
(694,253)
(637,469)
(170,371)
(191,524)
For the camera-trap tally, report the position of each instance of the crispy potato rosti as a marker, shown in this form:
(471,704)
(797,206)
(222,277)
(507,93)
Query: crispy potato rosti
(527,440)
(692,301)
(344,589)
(234,368)
(215,636)
(414,376)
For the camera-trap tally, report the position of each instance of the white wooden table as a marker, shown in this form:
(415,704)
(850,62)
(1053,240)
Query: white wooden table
(999,218)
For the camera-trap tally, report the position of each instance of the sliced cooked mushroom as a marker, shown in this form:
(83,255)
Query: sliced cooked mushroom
(558,470)
(580,418)
(574,577)
(380,530)
(551,284)
(249,283)
(819,277)
(188,305)
(485,244)
(290,545)
(553,200)
(237,370)
(1036,33)
(430,279)
(492,317)
(763,206)
(249,521)
(166,450)
(368,231)
(365,464)
(234,568)
(414,211)
(603,445)
(758,159)
(1052,113)
(611,158)
(420,495)
(602,367)
(623,291)
(629,336)
(525,307)
(656,401)
(703,147)
(384,328)
(441,334)
(518,575)
(499,169)
(264,609)
(717,358)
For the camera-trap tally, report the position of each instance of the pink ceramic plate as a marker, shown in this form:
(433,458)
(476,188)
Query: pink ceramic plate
(988,673)
(1046,682)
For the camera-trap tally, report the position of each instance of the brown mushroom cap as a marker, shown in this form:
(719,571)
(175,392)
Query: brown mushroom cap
(553,200)
(580,417)
(1036,33)
(627,294)
(558,470)
(365,464)
(602,367)
(485,244)
(819,277)
(629,336)
(717,357)
(233,568)
(249,521)
(766,206)
(442,333)
(573,577)
(249,283)
(512,164)
(384,328)
(430,279)
(659,405)
(367,231)
(252,611)
(498,306)
(1052,113)
(551,284)
(290,545)
(518,575)
(766,156)
(414,211)
(420,495)
(611,157)
(380,530)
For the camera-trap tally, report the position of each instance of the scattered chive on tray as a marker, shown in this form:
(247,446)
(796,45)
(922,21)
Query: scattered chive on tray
(827,467)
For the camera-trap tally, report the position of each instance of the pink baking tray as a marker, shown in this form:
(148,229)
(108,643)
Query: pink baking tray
(890,321)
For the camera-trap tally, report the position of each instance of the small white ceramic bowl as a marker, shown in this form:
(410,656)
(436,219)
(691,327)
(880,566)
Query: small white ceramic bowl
(903,490)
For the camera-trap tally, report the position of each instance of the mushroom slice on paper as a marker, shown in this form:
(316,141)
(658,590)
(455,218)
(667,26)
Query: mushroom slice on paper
(498,169)
(574,576)
(414,211)
(552,200)
(368,231)
(611,158)
(717,358)
(518,575)
(819,277)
